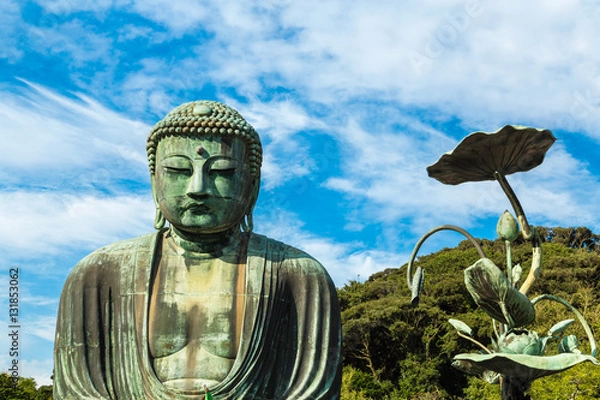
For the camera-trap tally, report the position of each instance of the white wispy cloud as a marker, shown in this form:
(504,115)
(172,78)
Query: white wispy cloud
(11,31)
(561,192)
(48,136)
(280,124)
(386,172)
(55,221)
(480,61)
(344,261)
(40,369)
(74,39)
(179,16)
(42,327)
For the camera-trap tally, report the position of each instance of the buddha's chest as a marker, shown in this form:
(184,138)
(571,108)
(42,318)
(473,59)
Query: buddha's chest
(195,310)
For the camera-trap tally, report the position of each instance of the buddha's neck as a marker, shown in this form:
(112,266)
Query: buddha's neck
(209,243)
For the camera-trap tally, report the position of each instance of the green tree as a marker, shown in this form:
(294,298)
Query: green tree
(24,390)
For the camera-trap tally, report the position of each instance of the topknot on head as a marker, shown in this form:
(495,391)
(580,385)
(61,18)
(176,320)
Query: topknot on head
(206,118)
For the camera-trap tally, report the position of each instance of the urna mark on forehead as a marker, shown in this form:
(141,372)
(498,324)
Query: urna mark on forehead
(196,146)
(226,143)
(205,119)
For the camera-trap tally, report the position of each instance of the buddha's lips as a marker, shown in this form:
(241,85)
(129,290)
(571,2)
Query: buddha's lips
(198,207)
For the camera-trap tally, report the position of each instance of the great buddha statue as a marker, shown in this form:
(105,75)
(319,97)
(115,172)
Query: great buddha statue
(203,302)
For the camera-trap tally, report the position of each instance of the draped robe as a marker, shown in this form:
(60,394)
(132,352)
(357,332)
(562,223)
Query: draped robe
(290,345)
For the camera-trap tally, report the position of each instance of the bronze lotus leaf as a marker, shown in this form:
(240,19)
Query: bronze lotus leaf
(492,291)
(479,155)
(522,367)
(473,369)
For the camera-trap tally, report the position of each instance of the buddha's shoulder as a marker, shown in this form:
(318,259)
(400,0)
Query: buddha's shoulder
(275,247)
(119,251)
(140,243)
(278,251)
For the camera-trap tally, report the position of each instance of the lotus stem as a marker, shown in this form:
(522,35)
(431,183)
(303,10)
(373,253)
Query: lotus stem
(513,389)
(507,316)
(536,264)
(409,270)
(462,335)
(496,328)
(516,205)
(509,261)
(580,317)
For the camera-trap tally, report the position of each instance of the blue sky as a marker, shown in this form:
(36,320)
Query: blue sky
(352,99)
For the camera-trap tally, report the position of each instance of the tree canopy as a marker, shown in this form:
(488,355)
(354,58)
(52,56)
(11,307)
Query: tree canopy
(25,389)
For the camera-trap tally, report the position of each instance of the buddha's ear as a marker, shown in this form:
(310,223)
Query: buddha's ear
(247,222)
(153,187)
(159,219)
(254,192)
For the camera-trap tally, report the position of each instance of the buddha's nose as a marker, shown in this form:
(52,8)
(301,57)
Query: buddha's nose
(198,185)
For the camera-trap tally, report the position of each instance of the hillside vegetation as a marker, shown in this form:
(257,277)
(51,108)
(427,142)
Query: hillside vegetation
(395,351)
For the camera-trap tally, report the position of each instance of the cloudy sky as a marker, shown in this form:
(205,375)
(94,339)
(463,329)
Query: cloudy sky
(352,99)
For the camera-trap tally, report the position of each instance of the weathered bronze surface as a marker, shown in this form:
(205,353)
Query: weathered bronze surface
(204,304)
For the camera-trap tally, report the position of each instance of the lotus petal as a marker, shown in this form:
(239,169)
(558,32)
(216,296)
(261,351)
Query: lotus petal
(558,329)
(543,344)
(417,286)
(517,272)
(492,291)
(461,326)
(511,149)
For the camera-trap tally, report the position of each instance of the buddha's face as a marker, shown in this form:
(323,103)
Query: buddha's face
(202,184)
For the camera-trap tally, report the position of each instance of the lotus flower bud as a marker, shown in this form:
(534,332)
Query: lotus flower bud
(569,344)
(507,228)
(521,342)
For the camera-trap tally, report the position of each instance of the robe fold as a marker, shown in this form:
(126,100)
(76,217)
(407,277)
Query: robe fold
(290,345)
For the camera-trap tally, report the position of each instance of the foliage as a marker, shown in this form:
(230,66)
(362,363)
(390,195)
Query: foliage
(359,385)
(580,383)
(24,390)
(394,351)
(478,389)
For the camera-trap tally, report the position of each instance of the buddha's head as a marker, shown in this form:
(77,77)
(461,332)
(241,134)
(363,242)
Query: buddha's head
(205,168)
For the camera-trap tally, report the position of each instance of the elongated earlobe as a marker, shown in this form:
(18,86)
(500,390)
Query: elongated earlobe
(247,223)
(159,220)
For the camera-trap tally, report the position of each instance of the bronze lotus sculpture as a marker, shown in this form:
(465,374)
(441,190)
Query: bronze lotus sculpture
(516,356)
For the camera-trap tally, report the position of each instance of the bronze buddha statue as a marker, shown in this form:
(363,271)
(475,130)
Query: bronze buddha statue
(205,301)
